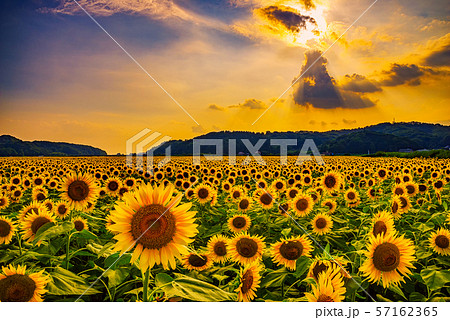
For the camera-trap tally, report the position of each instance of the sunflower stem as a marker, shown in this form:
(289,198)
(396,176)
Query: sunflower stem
(145,285)
(67,251)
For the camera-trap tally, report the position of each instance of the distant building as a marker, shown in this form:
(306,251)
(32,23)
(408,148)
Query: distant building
(407,150)
(423,150)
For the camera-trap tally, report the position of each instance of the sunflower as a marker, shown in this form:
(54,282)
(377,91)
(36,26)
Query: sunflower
(371,193)
(113,186)
(302,204)
(4,202)
(197,261)
(245,249)
(62,209)
(388,256)
(203,193)
(7,230)
(266,198)
(239,223)
(261,184)
(292,192)
(382,223)
(33,207)
(17,285)
(249,282)
(330,287)
(237,192)
(151,220)
(439,241)
(79,189)
(244,204)
(399,190)
(405,203)
(33,222)
(286,252)
(39,194)
(438,185)
(331,181)
(322,224)
(217,248)
(320,264)
(411,188)
(331,205)
(351,197)
(278,185)
(80,224)
(382,174)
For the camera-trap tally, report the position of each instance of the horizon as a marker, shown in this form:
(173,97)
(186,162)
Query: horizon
(192,67)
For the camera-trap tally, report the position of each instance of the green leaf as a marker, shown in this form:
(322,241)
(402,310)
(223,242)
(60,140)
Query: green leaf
(435,279)
(302,265)
(116,277)
(191,289)
(286,232)
(50,230)
(85,234)
(398,291)
(417,297)
(113,261)
(65,282)
(274,278)
(444,204)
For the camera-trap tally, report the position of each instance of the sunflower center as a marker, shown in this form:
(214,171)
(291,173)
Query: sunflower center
(62,210)
(203,193)
(291,250)
(79,225)
(351,195)
(78,190)
(302,204)
(293,193)
(410,189)
(394,207)
(318,268)
(324,298)
(153,226)
(17,288)
(422,187)
(247,247)
(247,282)
(321,223)
(382,173)
(113,185)
(438,184)
(239,222)
(386,257)
(38,223)
(2,202)
(220,249)
(403,202)
(442,241)
(243,204)
(279,185)
(197,260)
(329,205)
(379,227)
(236,194)
(266,199)
(40,196)
(330,181)
(5,228)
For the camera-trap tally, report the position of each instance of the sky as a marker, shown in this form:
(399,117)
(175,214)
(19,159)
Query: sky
(187,67)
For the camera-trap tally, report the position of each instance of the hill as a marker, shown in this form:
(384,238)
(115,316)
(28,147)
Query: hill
(379,137)
(11,146)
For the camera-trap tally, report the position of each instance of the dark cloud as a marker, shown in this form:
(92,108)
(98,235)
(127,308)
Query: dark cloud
(250,104)
(288,17)
(345,121)
(216,107)
(439,58)
(359,83)
(399,74)
(318,89)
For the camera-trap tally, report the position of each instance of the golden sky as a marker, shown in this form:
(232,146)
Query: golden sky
(225,62)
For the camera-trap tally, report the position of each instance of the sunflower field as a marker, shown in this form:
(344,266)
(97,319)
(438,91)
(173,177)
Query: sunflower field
(95,229)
